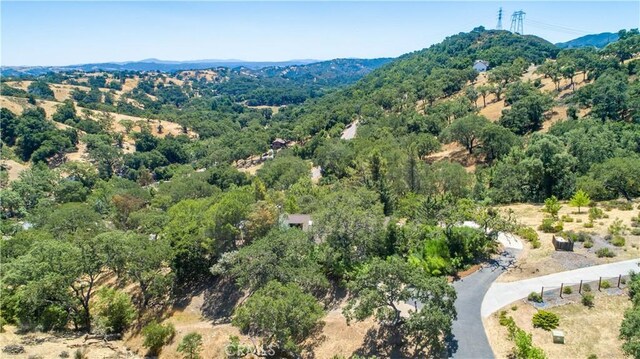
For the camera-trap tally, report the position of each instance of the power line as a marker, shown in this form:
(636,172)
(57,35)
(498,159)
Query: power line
(559,28)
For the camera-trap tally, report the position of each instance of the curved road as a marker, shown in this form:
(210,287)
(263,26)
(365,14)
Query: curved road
(469,339)
(479,296)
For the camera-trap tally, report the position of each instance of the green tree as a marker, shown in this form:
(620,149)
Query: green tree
(41,89)
(157,335)
(280,314)
(610,95)
(191,346)
(113,310)
(351,221)
(580,199)
(380,285)
(484,90)
(497,141)
(467,130)
(630,332)
(287,256)
(552,206)
(619,175)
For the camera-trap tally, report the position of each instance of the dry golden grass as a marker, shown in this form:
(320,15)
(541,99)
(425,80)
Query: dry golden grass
(537,262)
(587,331)
(13,168)
(274,109)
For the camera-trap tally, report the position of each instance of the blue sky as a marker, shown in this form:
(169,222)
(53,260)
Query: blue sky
(62,33)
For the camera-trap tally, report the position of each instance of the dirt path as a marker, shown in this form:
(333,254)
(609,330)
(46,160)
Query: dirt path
(350,132)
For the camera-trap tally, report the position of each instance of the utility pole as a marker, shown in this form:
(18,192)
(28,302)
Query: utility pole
(499,27)
(517,22)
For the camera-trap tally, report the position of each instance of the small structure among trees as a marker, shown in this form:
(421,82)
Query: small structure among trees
(481,65)
(279,143)
(562,244)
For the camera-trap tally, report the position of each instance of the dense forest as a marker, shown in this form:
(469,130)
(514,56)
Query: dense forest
(175,213)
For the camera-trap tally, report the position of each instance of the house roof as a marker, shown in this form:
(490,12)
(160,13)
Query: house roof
(298,218)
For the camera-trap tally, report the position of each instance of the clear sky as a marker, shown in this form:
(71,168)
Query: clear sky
(63,33)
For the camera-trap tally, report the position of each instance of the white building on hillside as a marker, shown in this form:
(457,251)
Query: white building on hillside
(481,65)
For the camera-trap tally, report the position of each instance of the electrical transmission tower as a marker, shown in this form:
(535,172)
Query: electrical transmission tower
(499,27)
(517,22)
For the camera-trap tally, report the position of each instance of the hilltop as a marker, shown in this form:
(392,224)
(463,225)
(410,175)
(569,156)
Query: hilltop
(594,40)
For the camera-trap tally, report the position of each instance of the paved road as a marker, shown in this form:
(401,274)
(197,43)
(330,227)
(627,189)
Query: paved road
(469,340)
(501,294)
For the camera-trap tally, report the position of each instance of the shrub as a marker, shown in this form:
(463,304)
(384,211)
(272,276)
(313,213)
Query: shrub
(53,317)
(592,356)
(588,244)
(586,288)
(567,290)
(113,311)
(80,353)
(566,218)
(157,335)
(618,241)
(588,224)
(605,252)
(545,320)
(617,227)
(595,213)
(605,284)
(579,220)
(625,206)
(191,345)
(550,226)
(528,233)
(503,319)
(635,231)
(535,297)
(587,300)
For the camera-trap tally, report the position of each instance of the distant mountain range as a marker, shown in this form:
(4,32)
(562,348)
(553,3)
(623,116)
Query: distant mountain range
(594,40)
(149,65)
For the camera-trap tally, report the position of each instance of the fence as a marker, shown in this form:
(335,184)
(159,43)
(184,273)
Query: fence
(566,290)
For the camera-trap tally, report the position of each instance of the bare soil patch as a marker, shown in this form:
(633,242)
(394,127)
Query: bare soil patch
(587,331)
(545,260)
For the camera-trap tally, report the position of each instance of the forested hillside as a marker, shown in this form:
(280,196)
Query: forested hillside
(156,213)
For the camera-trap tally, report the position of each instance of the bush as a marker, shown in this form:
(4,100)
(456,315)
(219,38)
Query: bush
(588,244)
(595,213)
(618,241)
(588,224)
(567,290)
(550,226)
(566,218)
(587,300)
(605,252)
(191,345)
(113,311)
(157,335)
(592,356)
(635,231)
(605,284)
(577,237)
(586,288)
(545,320)
(617,227)
(535,297)
(528,233)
